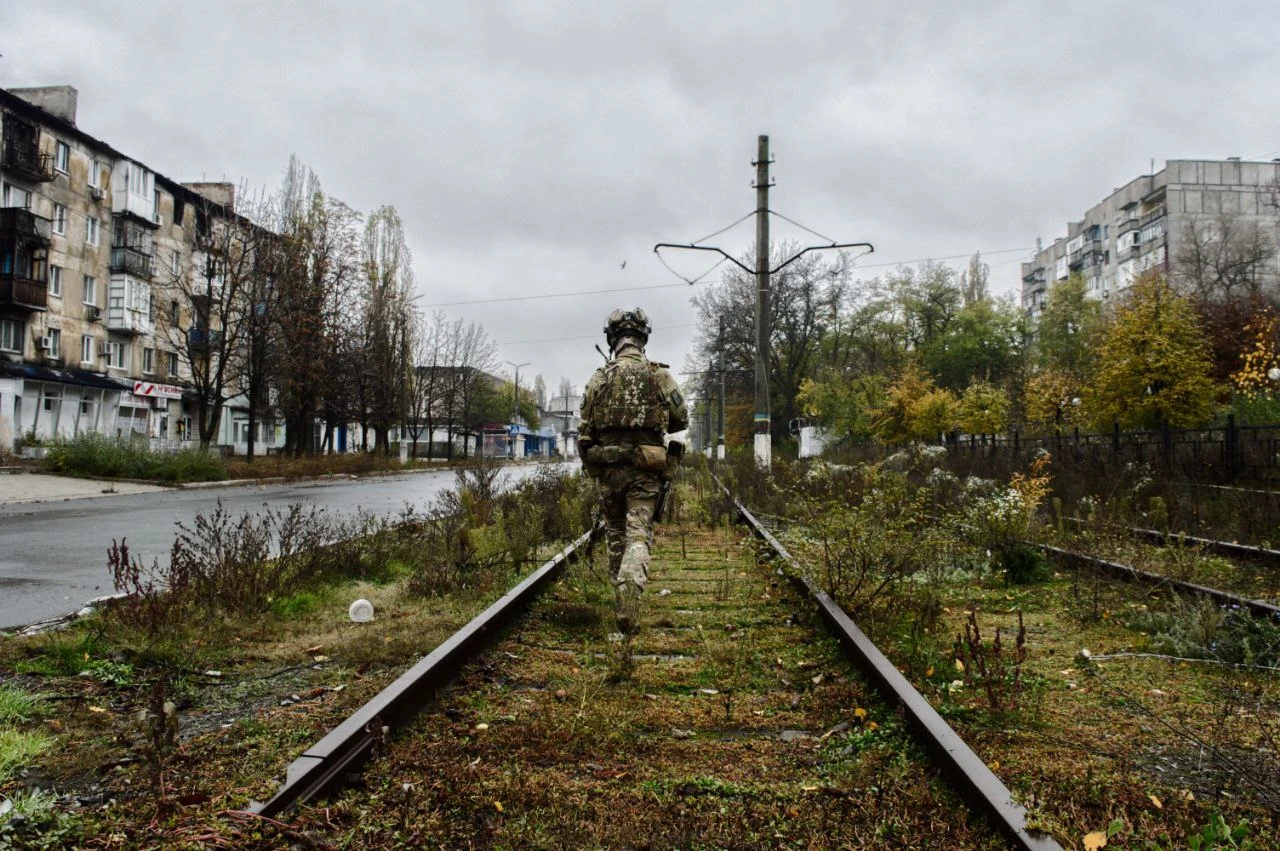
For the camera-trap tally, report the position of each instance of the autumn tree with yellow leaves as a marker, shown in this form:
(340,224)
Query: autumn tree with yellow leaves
(1153,362)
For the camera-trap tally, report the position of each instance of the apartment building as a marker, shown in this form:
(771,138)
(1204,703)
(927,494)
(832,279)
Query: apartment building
(1153,220)
(92,241)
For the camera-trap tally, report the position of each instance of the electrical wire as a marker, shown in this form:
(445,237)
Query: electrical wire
(689,281)
(588,336)
(723,229)
(551,295)
(802,227)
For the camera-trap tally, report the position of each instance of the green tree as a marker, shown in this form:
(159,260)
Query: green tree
(1066,330)
(982,342)
(844,407)
(984,409)
(1153,362)
(1051,399)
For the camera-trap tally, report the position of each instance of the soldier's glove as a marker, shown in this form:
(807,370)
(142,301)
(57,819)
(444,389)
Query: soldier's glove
(675,451)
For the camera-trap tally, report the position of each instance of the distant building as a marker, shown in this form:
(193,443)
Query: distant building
(1152,221)
(91,243)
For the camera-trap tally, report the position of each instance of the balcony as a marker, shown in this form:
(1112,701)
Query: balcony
(25,225)
(131,261)
(1153,216)
(23,293)
(23,159)
(202,339)
(128,321)
(24,247)
(1126,225)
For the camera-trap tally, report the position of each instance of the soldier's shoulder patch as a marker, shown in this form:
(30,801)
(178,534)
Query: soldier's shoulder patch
(659,365)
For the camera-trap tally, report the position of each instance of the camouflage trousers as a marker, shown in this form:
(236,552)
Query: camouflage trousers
(630,497)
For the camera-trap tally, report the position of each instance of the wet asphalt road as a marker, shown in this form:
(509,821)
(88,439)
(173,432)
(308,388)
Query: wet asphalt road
(53,555)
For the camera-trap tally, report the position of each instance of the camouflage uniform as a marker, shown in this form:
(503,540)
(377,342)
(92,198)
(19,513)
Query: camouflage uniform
(627,407)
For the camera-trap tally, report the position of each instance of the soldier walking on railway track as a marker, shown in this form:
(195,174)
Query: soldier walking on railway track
(630,404)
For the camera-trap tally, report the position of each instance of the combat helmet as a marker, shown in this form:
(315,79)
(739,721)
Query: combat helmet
(622,322)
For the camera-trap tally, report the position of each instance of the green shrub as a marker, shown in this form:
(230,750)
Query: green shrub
(93,454)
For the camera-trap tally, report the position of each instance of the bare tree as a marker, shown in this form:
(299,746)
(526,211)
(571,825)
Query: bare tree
(317,266)
(1224,259)
(206,321)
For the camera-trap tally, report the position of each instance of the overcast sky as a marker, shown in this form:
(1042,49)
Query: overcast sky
(534,147)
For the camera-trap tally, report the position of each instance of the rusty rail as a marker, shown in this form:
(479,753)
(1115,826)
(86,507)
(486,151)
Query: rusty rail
(968,774)
(1124,571)
(1244,552)
(324,767)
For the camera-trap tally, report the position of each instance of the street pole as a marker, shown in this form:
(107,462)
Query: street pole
(515,412)
(720,441)
(763,447)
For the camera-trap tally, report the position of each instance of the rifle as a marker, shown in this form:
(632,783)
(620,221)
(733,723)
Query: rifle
(675,451)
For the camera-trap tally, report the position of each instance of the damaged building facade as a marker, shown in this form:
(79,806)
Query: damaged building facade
(94,336)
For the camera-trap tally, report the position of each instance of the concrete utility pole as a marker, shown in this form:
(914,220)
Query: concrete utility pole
(763,446)
(762,273)
(720,442)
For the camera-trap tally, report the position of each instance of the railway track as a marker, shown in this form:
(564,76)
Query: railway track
(734,718)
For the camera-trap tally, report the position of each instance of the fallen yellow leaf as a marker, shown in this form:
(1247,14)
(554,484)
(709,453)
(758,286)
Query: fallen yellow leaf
(497,805)
(860,714)
(1094,841)
(995,766)
(97,709)
(959,665)
(1156,801)
(929,673)
(871,725)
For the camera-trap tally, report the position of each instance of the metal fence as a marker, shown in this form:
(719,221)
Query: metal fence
(1223,453)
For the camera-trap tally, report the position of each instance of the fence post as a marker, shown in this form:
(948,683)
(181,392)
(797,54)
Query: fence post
(1115,438)
(1232,441)
(1166,443)
(1016,444)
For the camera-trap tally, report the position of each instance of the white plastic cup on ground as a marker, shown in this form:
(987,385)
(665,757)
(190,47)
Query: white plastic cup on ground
(361,611)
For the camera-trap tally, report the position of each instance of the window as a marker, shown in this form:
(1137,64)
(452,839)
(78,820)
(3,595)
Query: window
(148,361)
(55,343)
(95,175)
(55,281)
(86,349)
(155,206)
(62,157)
(60,219)
(173,364)
(117,356)
(91,231)
(15,196)
(11,335)
(176,262)
(90,290)
(179,211)
(173,314)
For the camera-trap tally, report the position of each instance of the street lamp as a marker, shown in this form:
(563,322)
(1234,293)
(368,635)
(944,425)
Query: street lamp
(515,412)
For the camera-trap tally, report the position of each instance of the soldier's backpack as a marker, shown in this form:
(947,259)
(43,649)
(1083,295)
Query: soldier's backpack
(629,397)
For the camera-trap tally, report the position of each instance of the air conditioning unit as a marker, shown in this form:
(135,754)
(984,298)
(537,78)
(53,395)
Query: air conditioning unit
(97,193)
(104,349)
(93,314)
(44,343)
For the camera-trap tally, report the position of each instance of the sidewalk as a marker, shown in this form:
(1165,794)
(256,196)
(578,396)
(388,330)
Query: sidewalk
(38,487)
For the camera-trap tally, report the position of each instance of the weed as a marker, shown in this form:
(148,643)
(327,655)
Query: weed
(18,706)
(62,655)
(33,820)
(990,666)
(294,605)
(159,741)
(18,748)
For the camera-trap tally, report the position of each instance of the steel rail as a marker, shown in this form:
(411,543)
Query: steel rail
(325,766)
(1230,549)
(968,774)
(1124,571)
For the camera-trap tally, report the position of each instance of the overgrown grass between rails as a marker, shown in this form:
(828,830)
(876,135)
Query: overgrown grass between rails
(93,454)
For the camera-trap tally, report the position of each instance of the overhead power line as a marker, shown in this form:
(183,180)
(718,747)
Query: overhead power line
(504,299)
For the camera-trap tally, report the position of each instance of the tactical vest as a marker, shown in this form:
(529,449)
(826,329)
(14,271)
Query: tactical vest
(629,397)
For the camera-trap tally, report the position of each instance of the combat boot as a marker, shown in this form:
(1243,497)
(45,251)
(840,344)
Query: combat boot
(627,595)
